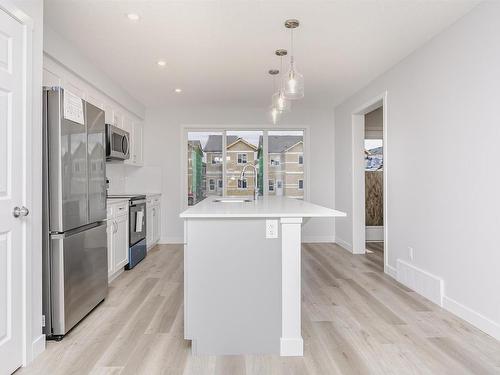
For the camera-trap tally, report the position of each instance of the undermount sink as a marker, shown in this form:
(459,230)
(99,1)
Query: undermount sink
(228,200)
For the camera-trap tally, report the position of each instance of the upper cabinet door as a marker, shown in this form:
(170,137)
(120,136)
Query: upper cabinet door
(96,163)
(117,119)
(138,153)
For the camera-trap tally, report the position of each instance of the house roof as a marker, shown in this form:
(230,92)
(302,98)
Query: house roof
(214,142)
(280,143)
(253,147)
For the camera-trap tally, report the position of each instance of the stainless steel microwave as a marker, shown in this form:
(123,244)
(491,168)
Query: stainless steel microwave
(117,143)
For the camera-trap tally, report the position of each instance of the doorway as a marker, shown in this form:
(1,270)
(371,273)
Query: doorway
(369,133)
(374,185)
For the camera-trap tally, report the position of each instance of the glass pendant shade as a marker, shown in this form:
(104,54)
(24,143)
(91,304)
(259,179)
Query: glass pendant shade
(280,102)
(274,115)
(294,84)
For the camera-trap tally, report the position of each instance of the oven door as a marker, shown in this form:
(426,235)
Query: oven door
(137,221)
(117,143)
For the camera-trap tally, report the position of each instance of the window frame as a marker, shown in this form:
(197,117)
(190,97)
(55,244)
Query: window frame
(223,130)
(238,158)
(242,182)
(210,184)
(273,184)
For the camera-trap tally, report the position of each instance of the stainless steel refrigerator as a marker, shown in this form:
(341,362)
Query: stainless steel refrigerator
(75,278)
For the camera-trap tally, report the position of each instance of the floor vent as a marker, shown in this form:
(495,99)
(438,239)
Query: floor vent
(422,282)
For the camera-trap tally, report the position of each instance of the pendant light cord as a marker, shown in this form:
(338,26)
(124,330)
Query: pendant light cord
(291,42)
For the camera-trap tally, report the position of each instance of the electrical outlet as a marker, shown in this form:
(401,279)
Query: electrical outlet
(411,253)
(43,320)
(271,228)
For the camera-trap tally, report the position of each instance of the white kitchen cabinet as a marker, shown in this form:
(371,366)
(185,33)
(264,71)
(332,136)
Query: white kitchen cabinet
(117,237)
(135,130)
(120,250)
(153,224)
(138,140)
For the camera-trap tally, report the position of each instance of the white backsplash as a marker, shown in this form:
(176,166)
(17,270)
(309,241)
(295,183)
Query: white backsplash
(128,179)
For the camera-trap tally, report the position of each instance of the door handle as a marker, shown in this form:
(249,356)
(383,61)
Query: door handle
(20,211)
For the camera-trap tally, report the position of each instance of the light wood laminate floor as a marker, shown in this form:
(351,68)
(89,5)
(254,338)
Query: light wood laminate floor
(355,320)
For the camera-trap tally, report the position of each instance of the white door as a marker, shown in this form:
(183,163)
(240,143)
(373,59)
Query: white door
(11,192)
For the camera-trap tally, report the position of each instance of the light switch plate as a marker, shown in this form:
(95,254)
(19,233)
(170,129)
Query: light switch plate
(271,228)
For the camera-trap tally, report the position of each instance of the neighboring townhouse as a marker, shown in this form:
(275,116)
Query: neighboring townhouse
(238,154)
(213,154)
(285,165)
(196,173)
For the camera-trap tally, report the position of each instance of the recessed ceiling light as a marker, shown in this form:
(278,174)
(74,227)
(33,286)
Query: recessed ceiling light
(133,17)
(178,90)
(162,63)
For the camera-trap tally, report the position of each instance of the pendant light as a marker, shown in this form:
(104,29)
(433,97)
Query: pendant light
(294,81)
(273,111)
(279,100)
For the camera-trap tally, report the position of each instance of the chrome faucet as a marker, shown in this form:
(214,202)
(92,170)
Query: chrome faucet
(242,176)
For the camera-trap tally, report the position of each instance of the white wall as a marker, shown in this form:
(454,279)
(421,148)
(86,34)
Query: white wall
(443,129)
(162,149)
(65,66)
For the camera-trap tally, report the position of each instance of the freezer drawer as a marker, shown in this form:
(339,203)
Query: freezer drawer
(79,276)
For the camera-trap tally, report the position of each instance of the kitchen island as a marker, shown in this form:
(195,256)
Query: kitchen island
(242,274)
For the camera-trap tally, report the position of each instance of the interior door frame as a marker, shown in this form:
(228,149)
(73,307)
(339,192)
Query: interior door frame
(28,225)
(358,178)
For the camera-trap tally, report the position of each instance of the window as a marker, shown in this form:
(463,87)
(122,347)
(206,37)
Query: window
(242,184)
(374,154)
(274,162)
(204,165)
(243,147)
(271,185)
(242,158)
(286,157)
(216,158)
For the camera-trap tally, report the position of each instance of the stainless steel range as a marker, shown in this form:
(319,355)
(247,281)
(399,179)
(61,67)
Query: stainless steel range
(137,227)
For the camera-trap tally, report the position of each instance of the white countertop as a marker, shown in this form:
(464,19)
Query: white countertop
(116,200)
(264,207)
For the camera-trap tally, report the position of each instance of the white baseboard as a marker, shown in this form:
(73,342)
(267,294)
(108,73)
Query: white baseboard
(115,275)
(421,281)
(38,346)
(374,233)
(171,240)
(478,320)
(346,245)
(291,347)
(318,239)
(391,271)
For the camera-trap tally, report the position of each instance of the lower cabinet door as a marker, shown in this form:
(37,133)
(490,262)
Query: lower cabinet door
(120,243)
(149,225)
(110,230)
(157,224)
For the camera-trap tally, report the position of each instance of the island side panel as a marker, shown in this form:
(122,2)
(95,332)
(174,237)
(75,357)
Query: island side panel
(291,343)
(233,294)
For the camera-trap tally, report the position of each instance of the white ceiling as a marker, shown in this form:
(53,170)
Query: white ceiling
(219,51)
